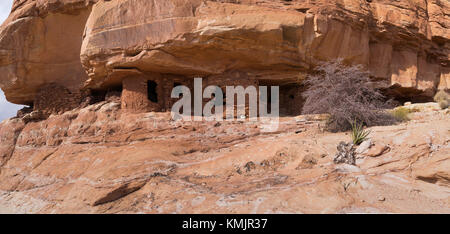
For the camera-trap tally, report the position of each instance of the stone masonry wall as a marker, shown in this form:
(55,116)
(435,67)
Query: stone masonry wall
(56,99)
(134,95)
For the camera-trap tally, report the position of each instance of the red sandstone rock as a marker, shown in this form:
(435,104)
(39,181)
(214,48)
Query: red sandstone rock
(117,157)
(39,44)
(270,40)
(377,150)
(100,159)
(401,42)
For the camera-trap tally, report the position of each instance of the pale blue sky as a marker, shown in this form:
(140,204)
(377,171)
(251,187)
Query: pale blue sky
(7,109)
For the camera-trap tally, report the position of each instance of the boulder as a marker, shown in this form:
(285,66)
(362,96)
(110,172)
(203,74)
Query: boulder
(40,43)
(377,150)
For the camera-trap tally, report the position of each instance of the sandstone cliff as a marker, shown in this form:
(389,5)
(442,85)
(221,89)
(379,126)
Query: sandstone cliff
(94,44)
(83,64)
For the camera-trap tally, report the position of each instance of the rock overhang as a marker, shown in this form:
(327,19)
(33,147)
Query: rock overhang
(37,49)
(400,42)
(198,43)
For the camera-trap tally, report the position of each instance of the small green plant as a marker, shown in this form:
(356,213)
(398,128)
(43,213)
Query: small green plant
(359,135)
(442,98)
(401,113)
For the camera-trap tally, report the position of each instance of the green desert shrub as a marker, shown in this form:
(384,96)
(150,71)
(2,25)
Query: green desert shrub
(359,135)
(443,98)
(401,113)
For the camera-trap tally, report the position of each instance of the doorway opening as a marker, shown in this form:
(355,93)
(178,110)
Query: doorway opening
(152,95)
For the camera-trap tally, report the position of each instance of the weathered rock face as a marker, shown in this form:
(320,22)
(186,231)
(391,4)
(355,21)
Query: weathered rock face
(40,44)
(405,43)
(100,159)
(401,42)
(110,157)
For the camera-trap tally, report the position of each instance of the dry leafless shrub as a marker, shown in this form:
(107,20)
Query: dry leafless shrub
(346,93)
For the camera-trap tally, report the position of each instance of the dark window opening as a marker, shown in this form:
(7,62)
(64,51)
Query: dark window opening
(176,84)
(290,100)
(269,99)
(152,95)
(224,93)
(117,88)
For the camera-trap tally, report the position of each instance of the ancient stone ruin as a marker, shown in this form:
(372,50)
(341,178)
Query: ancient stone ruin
(146,93)
(97,136)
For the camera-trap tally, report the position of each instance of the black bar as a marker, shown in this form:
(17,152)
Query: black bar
(229,223)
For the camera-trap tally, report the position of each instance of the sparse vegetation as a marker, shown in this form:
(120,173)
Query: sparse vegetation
(443,99)
(359,135)
(346,93)
(401,113)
